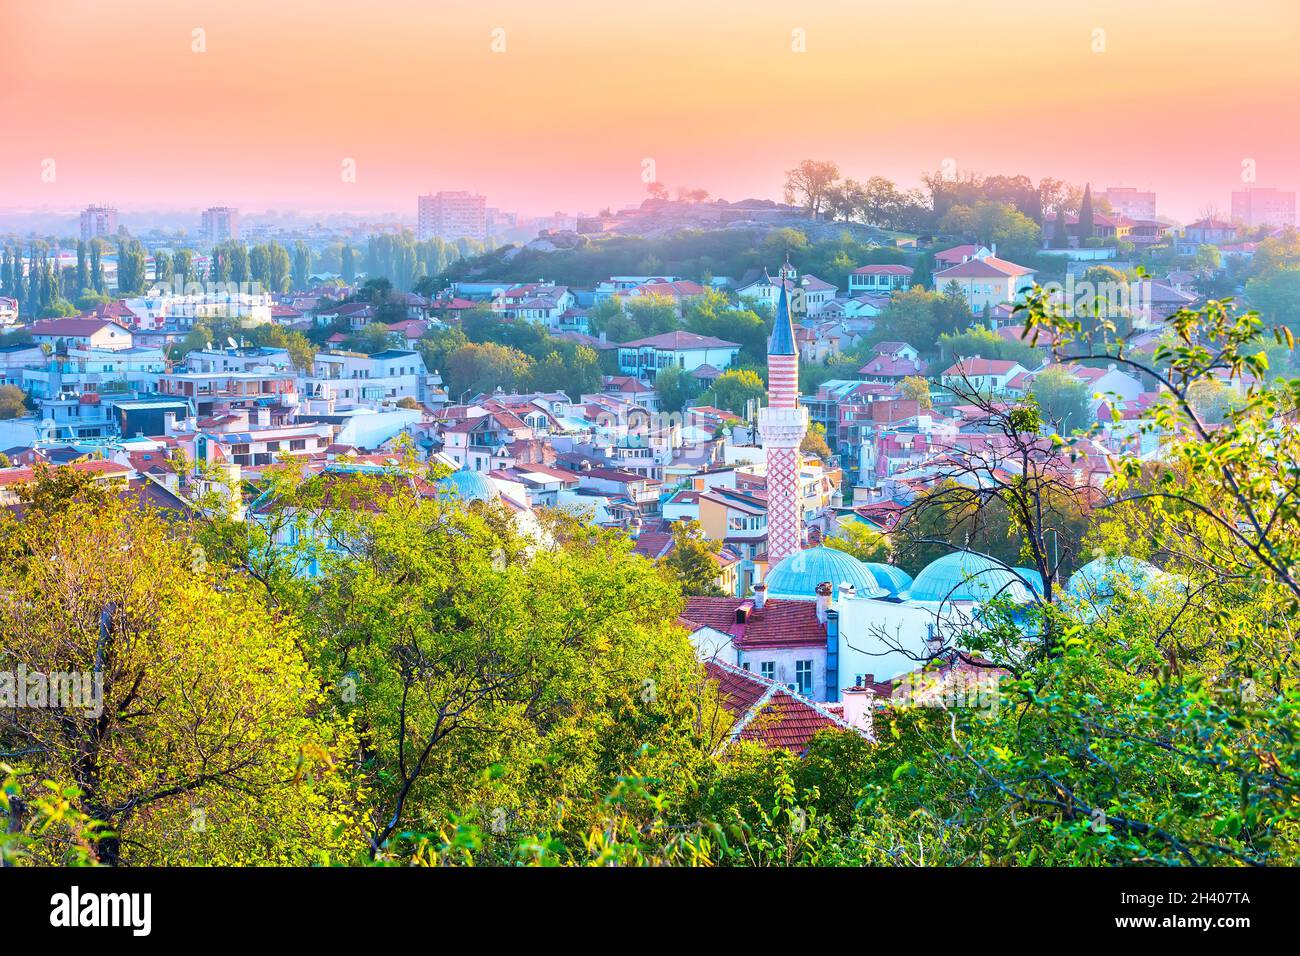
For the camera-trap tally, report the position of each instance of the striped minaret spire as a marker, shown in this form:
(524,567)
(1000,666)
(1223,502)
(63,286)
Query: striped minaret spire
(782,425)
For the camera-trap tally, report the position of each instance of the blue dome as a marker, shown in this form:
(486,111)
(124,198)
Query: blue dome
(1034,578)
(967,576)
(797,575)
(892,579)
(1098,579)
(468,486)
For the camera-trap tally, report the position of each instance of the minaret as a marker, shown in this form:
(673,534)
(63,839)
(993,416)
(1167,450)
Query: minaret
(782,424)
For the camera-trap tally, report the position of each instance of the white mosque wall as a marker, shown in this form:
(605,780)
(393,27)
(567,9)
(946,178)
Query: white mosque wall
(714,645)
(888,639)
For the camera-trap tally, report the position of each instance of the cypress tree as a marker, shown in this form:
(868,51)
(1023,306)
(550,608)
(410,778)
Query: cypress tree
(83,276)
(1085,214)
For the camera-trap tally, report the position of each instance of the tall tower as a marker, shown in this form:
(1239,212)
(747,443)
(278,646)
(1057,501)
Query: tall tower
(782,424)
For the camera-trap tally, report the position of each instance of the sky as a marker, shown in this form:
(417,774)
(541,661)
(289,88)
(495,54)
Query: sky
(558,105)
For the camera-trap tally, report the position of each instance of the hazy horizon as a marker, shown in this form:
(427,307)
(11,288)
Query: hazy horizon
(580,94)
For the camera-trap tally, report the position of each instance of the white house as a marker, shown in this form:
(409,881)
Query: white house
(988,376)
(355,377)
(879,279)
(62,334)
(986,282)
(646,358)
(808,294)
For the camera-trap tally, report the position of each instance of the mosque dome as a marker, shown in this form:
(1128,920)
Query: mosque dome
(889,577)
(797,575)
(1098,579)
(967,576)
(468,486)
(1034,578)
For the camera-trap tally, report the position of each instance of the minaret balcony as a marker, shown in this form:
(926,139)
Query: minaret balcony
(782,427)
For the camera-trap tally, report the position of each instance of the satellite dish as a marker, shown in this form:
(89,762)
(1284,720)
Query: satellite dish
(230,339)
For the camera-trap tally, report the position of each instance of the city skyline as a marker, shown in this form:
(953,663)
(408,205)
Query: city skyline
(244,118)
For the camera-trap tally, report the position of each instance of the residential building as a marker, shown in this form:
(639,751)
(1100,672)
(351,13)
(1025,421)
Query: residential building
(1131,202)
(452,215)
(98,222)
(220,224)
(986,281)
(62,334)
(1263,206)
(806,294)
(987,376)
(879,279)
(646,358)
(368,379)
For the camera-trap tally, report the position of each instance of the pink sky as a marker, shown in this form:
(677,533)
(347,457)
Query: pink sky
(585,91)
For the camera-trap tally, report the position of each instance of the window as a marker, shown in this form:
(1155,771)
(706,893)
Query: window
(803,677)
(768,670)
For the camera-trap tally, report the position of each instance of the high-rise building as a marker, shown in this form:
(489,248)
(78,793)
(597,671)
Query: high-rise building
(1263,206)
(98,222)
(452,215)
(220,224)
(782,423)
(1127,201)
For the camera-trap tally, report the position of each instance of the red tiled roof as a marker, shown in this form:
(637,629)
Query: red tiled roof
(890,366)
(956,253)
(766,712)
(988,267)
(781,623)
(680,340)
(72,327)
(98,466)
(883,270)
(980,366)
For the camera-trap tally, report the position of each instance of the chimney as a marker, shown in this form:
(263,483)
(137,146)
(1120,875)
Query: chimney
(760,596)
(848,591)
(824,593)
(993,249)
(858,703)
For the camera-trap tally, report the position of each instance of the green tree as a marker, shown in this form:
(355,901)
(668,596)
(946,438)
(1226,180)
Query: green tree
(675,387)
(917,389)
(734,389)
(13,402)
(481,368)
(1065,402)
(206,705)
(1087,219)
(693,560)
(861,541)
(809,184)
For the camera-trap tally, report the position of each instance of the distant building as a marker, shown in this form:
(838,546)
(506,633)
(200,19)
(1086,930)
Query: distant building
(646,358)
(452,215)
(879,279)
(986,282)
(220,224)
(98,222)
(1130,202)
(1204,232)
(808,295)
(62,334)
(1263,206)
